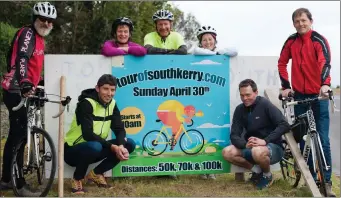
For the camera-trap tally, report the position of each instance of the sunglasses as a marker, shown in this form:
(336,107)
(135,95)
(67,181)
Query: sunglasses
(44,19)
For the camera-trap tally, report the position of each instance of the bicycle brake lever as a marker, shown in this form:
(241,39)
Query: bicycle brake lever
(331,98)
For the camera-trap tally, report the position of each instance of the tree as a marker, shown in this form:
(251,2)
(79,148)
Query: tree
(6,35)
(82,27)
(185,25)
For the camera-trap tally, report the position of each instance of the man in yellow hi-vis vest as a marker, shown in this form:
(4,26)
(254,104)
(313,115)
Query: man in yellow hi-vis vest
(85,142)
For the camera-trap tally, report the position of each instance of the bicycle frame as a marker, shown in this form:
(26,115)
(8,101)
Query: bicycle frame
(33,119)
(164,129)
(309,146)
(308,139)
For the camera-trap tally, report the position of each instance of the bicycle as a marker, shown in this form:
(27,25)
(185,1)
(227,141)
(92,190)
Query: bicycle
(289,167)
(306,131)
(155,142)
(36,151)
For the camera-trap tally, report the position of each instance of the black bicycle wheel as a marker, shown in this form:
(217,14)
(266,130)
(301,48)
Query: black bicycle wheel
(155,143)
(319,166)
(191,142)
(39,176)
(289,168)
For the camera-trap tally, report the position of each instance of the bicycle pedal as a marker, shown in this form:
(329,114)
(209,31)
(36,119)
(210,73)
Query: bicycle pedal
(48,158)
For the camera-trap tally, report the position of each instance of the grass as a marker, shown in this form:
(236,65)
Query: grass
(186,186)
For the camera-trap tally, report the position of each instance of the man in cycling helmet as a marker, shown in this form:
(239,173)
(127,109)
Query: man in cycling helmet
(207,37)
(163,40)
(121,43)
(24,65)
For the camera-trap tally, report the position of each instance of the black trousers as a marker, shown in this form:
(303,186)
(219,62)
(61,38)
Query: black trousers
(83,154)
(17,131)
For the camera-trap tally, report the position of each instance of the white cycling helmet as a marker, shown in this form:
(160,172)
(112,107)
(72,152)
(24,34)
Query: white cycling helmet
(45,9)
(163,15)
(204,30)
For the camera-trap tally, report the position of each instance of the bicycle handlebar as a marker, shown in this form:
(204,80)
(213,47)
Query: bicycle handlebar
(44,99)
(191,123)
(22,102)
(289,101)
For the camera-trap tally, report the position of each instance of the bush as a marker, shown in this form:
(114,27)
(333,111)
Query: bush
(6,35)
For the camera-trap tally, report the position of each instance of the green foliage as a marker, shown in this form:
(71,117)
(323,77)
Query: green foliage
(6,35)
(83,26)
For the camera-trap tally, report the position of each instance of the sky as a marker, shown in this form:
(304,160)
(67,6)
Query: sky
(260,28)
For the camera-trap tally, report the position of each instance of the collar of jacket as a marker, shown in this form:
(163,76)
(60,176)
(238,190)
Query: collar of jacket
(306,35)
(93,94)
(251,107)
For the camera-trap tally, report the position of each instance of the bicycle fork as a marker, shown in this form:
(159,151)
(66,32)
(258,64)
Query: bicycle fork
(321,149)
(36,137)
(31,119)
(34,121)
(309,145)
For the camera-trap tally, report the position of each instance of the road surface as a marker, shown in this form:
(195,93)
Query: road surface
(334,135)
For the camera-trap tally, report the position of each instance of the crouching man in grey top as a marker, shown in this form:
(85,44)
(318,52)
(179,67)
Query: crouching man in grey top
(257,127)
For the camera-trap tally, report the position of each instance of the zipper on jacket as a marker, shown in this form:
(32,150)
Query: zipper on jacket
(105,114)
(77,140)
(249,118)
(301,68)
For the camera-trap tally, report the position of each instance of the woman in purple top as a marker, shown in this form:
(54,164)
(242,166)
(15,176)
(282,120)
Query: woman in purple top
(121,31)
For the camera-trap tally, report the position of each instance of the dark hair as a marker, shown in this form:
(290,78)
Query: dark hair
(299,11)
(107,79)
(248,82)
(213,35)
(122,21)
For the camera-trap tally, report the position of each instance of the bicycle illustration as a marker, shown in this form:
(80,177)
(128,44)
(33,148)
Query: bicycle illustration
(308,132)
(35,157)
(155,142)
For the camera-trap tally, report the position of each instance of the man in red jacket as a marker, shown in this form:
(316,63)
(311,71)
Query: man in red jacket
(310,76)
(24,65)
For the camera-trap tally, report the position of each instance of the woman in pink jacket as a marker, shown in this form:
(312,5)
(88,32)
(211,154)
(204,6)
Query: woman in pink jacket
(121,32)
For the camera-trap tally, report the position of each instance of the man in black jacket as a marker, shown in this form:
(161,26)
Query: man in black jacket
(257,127)
(86,141)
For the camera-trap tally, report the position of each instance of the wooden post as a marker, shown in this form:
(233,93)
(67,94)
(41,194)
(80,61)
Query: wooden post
(271,95)
(239,177)
(61,142)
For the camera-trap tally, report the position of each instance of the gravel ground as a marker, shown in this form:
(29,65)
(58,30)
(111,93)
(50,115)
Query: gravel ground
(4,121)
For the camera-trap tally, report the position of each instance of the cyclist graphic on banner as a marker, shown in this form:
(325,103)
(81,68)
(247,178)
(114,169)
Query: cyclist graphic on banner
(171,113)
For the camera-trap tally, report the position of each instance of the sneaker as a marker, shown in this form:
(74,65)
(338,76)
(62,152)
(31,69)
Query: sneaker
(203,176)
(25,191)
(5,185)
(98,179)
(211,176)
(77,187)
(329,190)
(255,177)
(264,182)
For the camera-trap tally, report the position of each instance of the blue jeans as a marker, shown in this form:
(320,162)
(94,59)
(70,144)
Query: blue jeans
(321,116)
(86,153)
(276,153)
